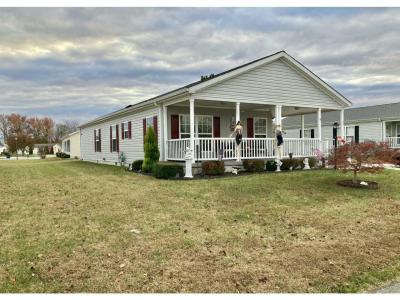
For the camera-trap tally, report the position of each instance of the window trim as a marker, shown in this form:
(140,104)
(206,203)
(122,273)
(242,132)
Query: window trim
(254,127)
(346,136)
(196,124)
(97,140)
(114,138)
(125,133)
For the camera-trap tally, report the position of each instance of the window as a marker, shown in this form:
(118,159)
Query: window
(97,144)
(149,122)
(114,147)
(184,127)
(126,130)
(202,126)
(350,133)
(308,133)
(260,128)
(67,146)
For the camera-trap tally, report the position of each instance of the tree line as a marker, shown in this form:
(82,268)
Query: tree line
(19,131)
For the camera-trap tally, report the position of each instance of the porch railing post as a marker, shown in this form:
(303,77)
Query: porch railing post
(191,102)
(165,130)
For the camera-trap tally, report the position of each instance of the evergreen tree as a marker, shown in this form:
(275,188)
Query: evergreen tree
(151,152)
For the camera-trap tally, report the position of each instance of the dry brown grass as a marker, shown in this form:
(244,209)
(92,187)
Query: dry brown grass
(66,226)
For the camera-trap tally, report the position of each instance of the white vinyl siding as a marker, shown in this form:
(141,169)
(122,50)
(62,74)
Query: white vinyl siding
(275,83)
(132,148)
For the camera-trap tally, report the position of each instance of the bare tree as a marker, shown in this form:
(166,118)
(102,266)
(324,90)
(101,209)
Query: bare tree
(64,128)
(4,126)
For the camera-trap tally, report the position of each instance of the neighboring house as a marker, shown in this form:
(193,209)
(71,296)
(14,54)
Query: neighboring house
(57,148)
(200,116)
(3,147)
(376,123)
(71,144)
(46,148)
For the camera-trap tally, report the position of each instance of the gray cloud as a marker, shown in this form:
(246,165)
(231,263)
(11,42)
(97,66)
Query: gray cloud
(82,63)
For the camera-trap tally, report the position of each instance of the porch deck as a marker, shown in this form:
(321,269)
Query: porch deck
(251,148)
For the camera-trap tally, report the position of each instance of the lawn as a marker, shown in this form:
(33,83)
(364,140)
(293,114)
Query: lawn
(70,226)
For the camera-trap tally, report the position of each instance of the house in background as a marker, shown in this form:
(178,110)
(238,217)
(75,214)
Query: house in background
(201,115)
(71,144)
(3,147)
(46,148)
(369,123)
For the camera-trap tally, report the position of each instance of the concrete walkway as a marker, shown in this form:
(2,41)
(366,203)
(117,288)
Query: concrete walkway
(392,288)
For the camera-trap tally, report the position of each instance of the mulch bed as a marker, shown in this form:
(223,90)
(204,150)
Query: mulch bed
(372,185)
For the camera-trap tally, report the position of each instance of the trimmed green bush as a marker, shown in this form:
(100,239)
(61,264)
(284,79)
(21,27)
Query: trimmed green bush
(254,165)
(62,155)
(137,165)
(213,167)
(167,170)
(296,163)
(270,165)
(312,162)
(286,164)
(151,152)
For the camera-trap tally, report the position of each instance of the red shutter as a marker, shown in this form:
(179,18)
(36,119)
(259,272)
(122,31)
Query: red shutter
(110,138)
(144,129)
(250,127)
(216,127)
(122,131)
(99,141)
(117,136)
(174,127)
(95,150)
(155,126)
(130,129)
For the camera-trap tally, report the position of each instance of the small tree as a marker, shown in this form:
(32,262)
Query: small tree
(151,152)
(363,157)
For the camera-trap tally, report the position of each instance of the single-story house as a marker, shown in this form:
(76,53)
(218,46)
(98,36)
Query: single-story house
(3,147)
(201,115)
(71,144)
(46,148)
(373,123)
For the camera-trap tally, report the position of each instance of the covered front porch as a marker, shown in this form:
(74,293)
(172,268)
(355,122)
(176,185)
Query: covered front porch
(392,133)
(206,126)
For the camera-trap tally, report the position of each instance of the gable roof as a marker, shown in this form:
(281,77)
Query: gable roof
(202,84)
(381,112)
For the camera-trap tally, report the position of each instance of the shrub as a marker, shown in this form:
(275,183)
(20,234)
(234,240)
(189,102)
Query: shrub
(137,165)
(62,155)
(254,165)
(312,162)
(213,167)
(297,163)
(167,170)
(286,164)
(270,165)
(151,152)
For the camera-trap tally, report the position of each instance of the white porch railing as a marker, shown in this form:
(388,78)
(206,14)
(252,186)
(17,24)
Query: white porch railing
(251,148)
(393,142)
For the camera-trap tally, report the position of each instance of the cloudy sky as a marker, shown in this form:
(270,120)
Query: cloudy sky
(82,63)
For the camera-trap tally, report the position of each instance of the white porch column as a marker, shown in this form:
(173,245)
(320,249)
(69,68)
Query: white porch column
(278,115)
(161,141)
(191,102)
(383,131)
(302,126)
(319,125)
(237,111)
(165,131)
(342,129)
